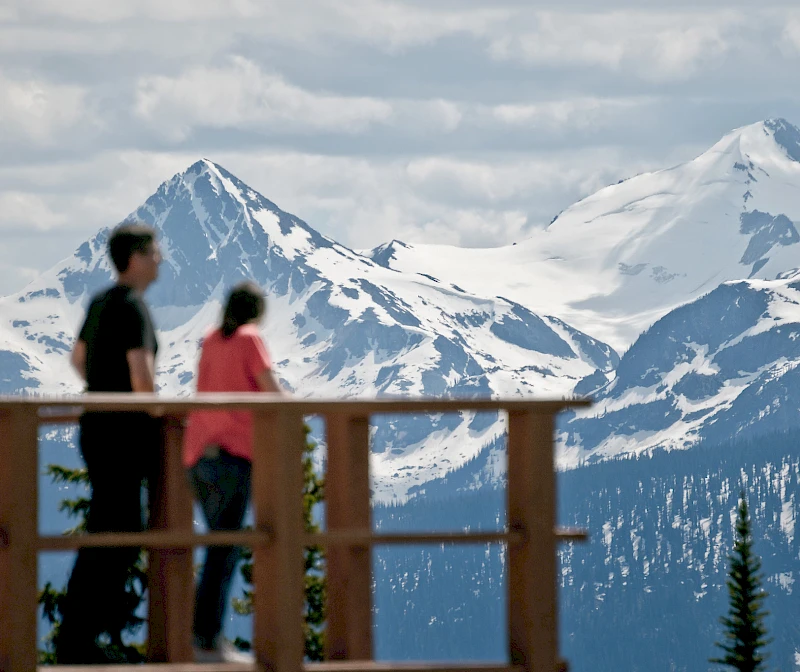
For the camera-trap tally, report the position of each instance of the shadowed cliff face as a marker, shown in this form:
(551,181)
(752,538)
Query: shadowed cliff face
(724,366)
(765,231)
(786,135)
(16,373)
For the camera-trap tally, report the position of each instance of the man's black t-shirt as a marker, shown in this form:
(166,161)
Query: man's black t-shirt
(117,321)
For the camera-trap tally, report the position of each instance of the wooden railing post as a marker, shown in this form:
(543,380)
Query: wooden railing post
(348,634)
(19,455)
(532,565)
(170,570)
(278,573)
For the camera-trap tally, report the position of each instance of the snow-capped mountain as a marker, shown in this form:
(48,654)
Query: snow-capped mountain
(689,270)
(338,324)
(615,262)
(702,259)
(723,367)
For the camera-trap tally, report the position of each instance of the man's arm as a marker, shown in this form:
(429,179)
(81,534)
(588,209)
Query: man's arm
(78,358)
(267,383)
(142,365)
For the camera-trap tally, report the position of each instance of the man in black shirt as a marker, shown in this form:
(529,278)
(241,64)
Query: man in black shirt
(115,352)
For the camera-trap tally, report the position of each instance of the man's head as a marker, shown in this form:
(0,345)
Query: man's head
(135,254)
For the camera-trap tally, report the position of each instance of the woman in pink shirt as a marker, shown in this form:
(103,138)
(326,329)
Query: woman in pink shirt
(217,452)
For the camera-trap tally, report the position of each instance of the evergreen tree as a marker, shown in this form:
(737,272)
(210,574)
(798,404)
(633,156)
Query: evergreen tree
(745,633)
(314,606)
(51,598)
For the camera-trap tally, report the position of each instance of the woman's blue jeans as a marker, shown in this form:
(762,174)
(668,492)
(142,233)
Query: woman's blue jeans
(221,483)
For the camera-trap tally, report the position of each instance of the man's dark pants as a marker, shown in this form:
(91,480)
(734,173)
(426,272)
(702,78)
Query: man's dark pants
(120,451)
(221,483)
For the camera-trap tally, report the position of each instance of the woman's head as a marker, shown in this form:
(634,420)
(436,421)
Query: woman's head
(245,304)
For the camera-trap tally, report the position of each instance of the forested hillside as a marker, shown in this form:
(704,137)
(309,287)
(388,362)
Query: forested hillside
(650,580)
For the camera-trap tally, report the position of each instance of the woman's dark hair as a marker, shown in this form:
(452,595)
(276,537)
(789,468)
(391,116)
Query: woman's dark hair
(245,303)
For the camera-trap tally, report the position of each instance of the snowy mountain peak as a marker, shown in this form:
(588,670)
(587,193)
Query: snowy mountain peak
(384,254)
(214,231)
(765,143)
(742,157)
(220,202)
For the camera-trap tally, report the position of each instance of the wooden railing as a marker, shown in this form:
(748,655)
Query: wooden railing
(278,538)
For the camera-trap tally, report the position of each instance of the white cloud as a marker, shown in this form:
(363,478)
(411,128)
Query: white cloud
(8,13)
(40,110)
(473,228)
(385,24)
(577,113)
(426,115)
(14,277)
(790,37)
(242,96)
(540,184)
(27,211)
(393,25)
(71,200)
(101,11)
(648,44)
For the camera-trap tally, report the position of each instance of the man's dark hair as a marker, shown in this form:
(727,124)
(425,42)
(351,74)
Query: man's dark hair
(245,303)
(127,239)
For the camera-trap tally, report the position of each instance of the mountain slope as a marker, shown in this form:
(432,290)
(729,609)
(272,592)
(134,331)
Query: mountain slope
(644,593)
(615,262)
(724,367)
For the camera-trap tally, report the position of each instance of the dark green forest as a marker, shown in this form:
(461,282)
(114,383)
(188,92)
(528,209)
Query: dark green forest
(645,593)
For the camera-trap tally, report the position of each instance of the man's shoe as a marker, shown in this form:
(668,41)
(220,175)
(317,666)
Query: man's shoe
(224,652)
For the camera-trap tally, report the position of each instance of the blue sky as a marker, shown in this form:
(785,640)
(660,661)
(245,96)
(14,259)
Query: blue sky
(453,121)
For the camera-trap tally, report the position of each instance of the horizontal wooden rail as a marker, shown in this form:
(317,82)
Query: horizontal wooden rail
(357,538)
(155,539)
(422,666)
(328,666)
(251,538)
(346,537)
(60,418)
(69,408)
(571,534)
